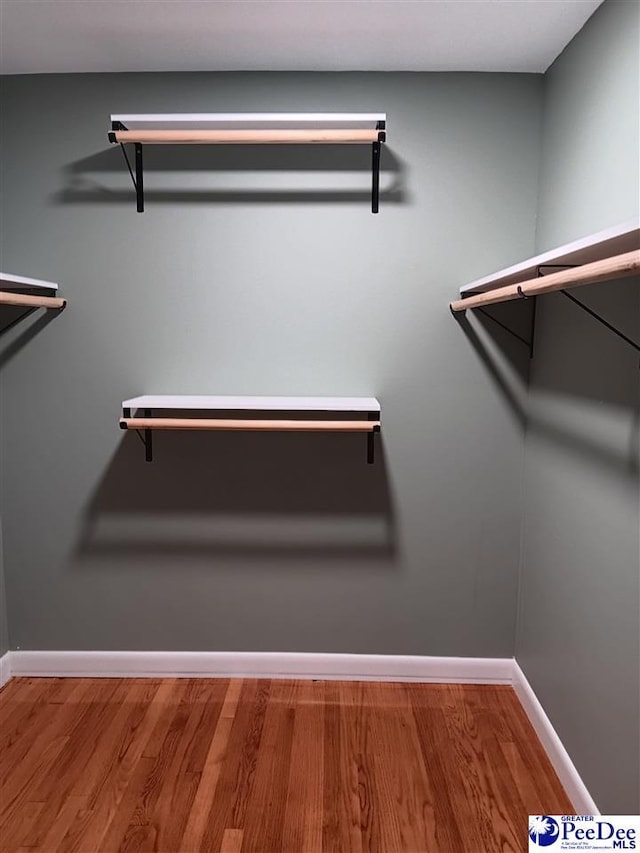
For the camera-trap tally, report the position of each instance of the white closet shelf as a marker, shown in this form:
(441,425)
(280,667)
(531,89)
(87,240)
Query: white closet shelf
(368,406)
(617,240)
(10,284)
(9,281)
(262,404)
(228,128)
(251,129)
(605,269)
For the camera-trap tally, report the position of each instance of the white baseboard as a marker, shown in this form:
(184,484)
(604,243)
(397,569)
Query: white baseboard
(558,756)
(5,668)
(264,665)
(343,667)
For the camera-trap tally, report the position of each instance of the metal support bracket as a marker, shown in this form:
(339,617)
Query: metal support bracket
(148,440)
(532,329)
(139,182)
(601,320)
(588,310)
(375,166)
(527,342)
(371,441)
(541,267)
(138,178)
(145,438)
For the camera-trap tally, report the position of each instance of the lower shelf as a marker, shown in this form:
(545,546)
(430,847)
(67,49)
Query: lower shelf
(368,408)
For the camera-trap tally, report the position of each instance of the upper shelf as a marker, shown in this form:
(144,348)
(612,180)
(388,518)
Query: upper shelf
(262,404)
(616,240)
(577,274)
(234,128)
(606,269)
(251,129)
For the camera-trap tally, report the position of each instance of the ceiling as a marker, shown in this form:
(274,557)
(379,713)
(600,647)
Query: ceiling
(44,36)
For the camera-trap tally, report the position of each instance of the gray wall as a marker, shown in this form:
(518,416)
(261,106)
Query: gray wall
(590,169)
(578,631)
(4,627)
(263,271)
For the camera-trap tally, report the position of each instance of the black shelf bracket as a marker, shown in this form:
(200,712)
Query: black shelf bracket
(528,342)
(586,308)
(148,440)
(601,320)
(371,437)
(145,436)
(541,267)
(375,166)
(138,178)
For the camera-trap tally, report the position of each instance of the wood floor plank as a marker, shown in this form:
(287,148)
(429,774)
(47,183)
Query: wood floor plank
(263,820)
(22,706)
(68,772)
(25,779)
(537,766)
(60,825)
(106,797)
(210,773)
(259,766)
(144,829)
(443,779)
(21,761)
(235,783)
(145,770)
(421,807)
(398,814)
(180,784)
(304,812)
(344,790)
(488,828)
(13,831)
(231,841)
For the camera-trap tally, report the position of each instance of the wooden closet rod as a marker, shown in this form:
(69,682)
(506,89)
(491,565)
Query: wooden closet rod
(618,266)
(247,136)
(249,424)
(21,299)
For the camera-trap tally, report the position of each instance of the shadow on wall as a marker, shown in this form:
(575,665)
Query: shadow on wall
(247,495)
(504,328)
(595,363)
(585,383)
(586,389)
(11,317)
(89,180)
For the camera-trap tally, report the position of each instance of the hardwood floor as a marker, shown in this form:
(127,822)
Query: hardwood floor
(181,765)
